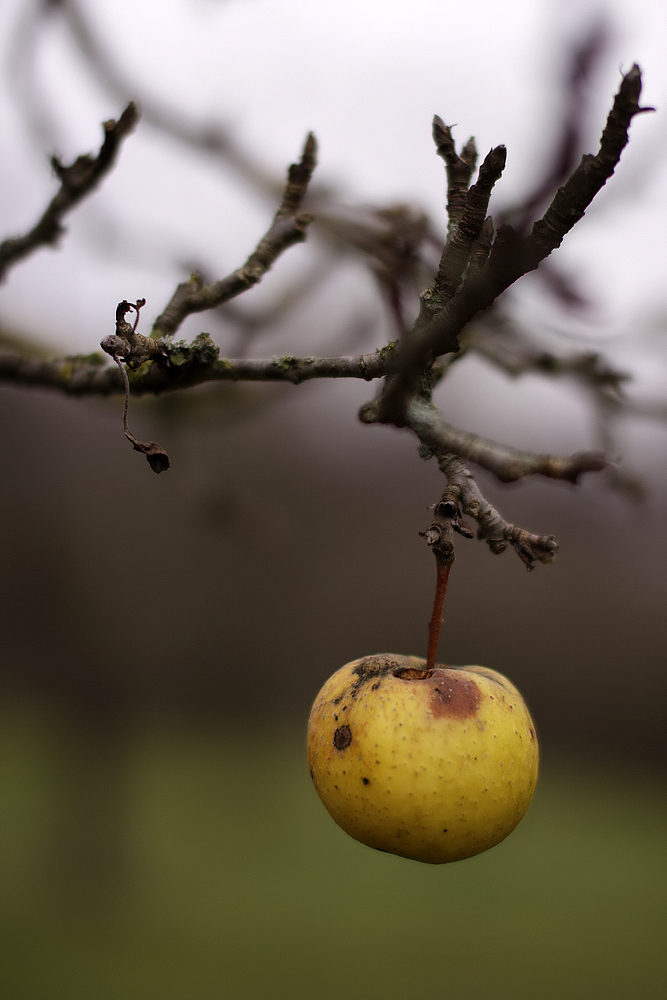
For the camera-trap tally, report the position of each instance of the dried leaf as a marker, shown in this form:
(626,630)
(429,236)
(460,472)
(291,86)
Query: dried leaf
(157,456)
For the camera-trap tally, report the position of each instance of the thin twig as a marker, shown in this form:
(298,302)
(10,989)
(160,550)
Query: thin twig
(288,227)
(507,464)
(76,181)
(491,526)
(516,354)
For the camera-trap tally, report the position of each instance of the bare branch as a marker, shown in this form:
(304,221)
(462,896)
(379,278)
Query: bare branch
(572,200)
(491,526)
(512,255)
(507,349)
(474,269)
(506,464)
(76,181)
(186,365)
(288,227)
(214,140)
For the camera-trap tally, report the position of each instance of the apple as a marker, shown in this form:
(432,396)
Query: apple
(432,764)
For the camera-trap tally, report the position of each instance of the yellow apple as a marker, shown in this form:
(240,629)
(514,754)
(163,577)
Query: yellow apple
(435,765)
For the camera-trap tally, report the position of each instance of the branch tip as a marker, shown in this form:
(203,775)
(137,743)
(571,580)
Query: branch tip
(310,150)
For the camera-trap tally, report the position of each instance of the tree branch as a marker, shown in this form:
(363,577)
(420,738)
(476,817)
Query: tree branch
(491,526)
(516,354)
(76,181)
(288,227)
(474,269)
(187,365)
(572,200)
(512,255)
(507,464)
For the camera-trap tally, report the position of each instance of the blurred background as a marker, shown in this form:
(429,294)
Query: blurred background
(162,638)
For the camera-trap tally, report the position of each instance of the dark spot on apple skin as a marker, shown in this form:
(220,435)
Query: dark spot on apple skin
(373,668)
(452,694)
(375,686)
(532,733)
(342,737)
(366,781)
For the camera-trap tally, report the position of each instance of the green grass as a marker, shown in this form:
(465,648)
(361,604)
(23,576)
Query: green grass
(219,874)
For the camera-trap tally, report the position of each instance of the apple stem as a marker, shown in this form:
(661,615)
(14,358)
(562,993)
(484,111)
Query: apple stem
(435,623)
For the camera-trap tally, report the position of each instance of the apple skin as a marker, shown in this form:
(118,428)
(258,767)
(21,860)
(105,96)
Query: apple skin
(434,765)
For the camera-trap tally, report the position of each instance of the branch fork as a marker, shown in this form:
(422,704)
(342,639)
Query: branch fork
(128,348)
(477,264)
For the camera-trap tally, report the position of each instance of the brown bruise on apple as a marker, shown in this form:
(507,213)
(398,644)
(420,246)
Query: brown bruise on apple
(452,694)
